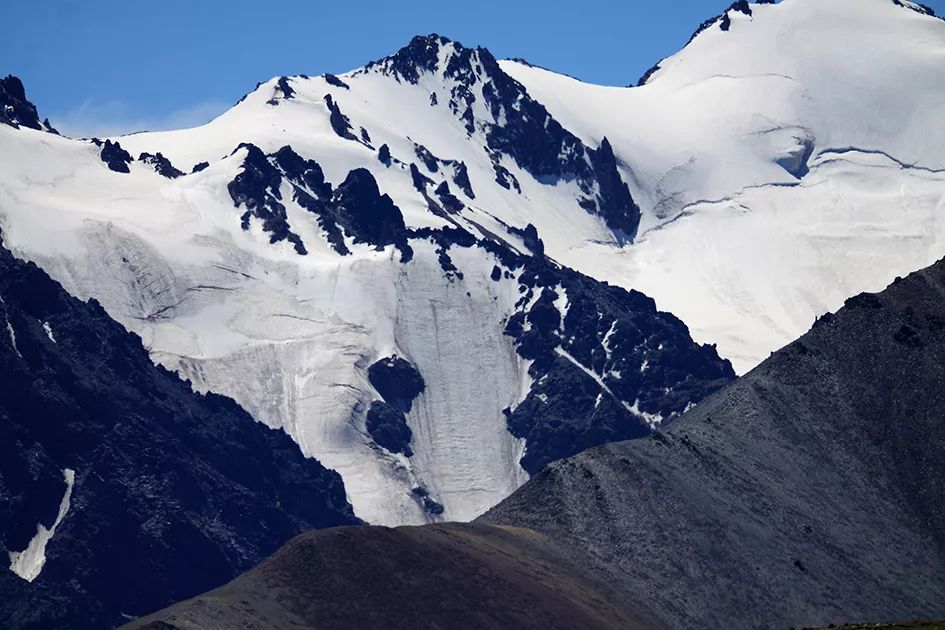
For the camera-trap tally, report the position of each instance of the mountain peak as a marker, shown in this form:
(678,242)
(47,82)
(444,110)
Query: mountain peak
(918,7)
(15,109)
(431,54)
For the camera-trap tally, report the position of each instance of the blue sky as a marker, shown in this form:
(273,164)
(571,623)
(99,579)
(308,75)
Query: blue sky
(108,66)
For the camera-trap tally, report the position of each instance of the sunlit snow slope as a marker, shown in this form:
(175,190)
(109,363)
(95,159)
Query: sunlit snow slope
(783,164)
(789,157)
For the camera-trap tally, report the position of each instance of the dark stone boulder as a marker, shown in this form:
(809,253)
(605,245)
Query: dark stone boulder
(15,109)
(116,158)
(331,79)
(388,428)
(282,92)
(161,165)
(397,381)
(340,123)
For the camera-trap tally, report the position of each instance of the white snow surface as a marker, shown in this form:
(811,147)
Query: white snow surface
(740,249)
(28,564)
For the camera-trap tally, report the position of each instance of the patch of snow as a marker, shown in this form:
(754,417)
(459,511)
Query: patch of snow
(28,564)
(652,419)
(48,330)
(12,334)
(564,353)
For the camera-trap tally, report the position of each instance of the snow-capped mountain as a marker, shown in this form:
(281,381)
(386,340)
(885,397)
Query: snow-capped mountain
(791,155)
(312,254)
(402,265)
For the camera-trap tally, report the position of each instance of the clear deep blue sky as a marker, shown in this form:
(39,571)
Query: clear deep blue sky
(104,66)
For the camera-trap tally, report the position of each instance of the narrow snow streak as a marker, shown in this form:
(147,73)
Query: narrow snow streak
(49,333)
(632,409)
(12,334)
(29,563)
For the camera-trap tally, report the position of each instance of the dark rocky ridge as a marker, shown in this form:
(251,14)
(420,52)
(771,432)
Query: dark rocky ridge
(437,576)
(602,364)
(331,79)
(174,493)
(809,492)
(356,208)
(367,215)
(529,134)
(460,174)
(114,156)
(340,123)
(16,110)
(161,164)
(257,187)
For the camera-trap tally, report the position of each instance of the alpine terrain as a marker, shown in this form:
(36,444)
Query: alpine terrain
(306,239)
(444,287)
(805,494)
(121,490)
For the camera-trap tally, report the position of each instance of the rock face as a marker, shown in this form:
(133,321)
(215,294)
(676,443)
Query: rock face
(808,492)
(162,166)
(396,381)
(607,365)
(116,158)
(173,492)
(367,215)
(257,188)
(356,208)
(15,109)
(439,576)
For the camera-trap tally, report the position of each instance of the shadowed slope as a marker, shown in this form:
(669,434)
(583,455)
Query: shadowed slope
(173,492)
(808,492)
(438,576)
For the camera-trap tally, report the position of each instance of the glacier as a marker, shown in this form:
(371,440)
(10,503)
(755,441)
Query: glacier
(28,564)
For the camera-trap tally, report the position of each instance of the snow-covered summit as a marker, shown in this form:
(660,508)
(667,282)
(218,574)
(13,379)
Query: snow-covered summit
(15,109)
(782,163)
